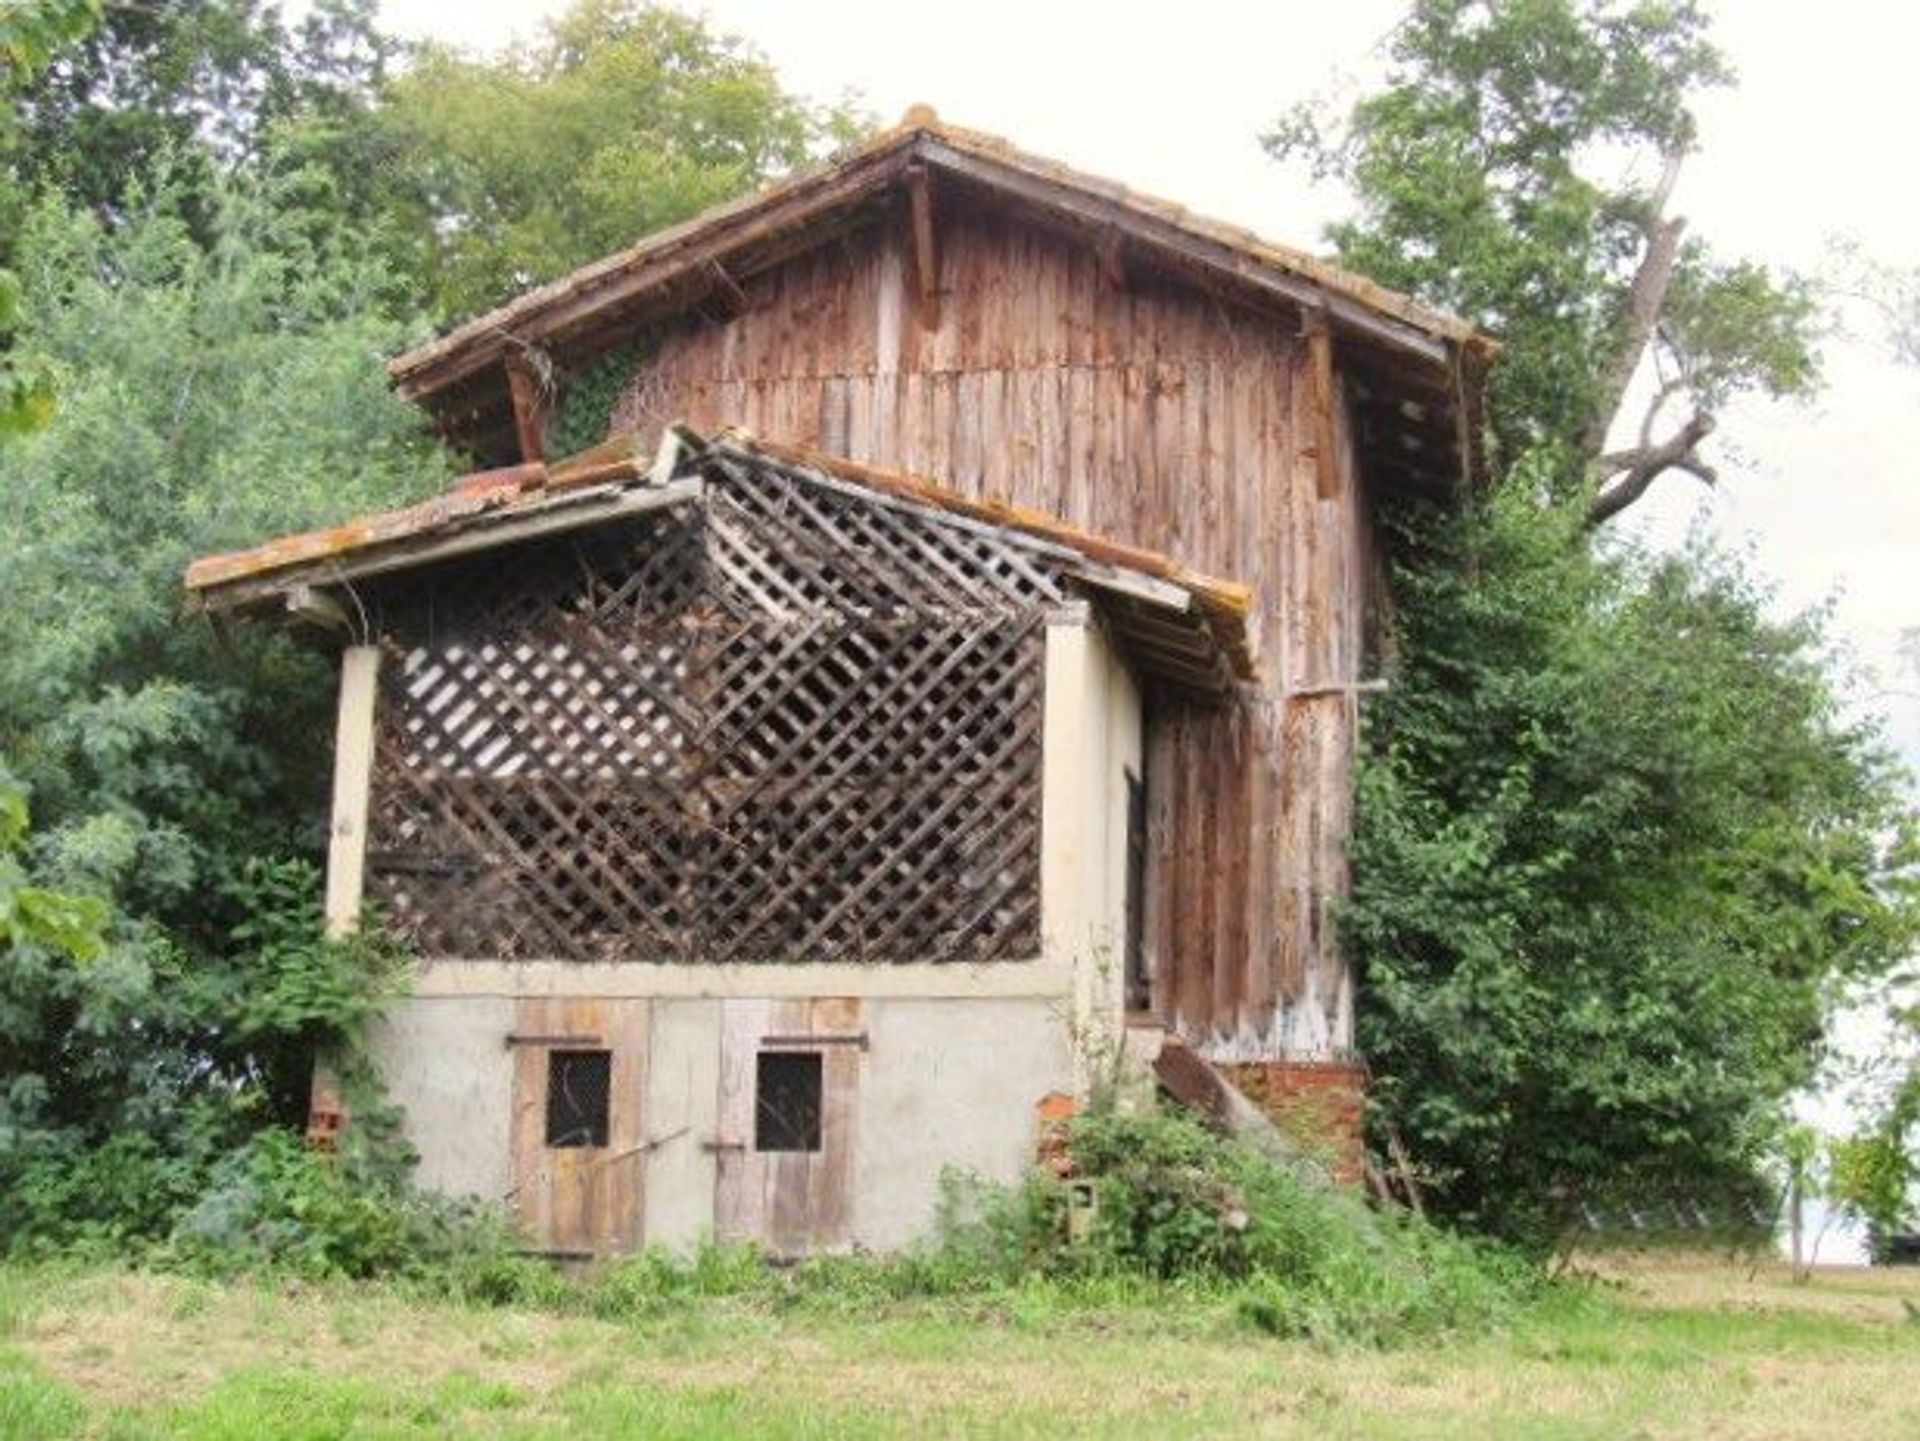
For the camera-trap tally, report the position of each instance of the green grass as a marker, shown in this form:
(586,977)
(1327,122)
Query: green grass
(1669,1348)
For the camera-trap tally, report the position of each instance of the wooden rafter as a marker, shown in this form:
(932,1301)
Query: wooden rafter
(530,381)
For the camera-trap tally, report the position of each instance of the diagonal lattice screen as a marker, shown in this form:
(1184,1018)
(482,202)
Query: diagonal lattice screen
(786,722)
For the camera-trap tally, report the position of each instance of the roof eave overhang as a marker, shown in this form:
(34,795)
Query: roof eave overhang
(464,372)
(1187,630)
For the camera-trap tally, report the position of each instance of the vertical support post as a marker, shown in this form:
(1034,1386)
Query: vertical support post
(1321,385)
(352,782)
(1079,880)
(527,384)
(346,859)
(926,258)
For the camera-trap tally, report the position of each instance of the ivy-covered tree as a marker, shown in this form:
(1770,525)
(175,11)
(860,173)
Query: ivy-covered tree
(1518,166)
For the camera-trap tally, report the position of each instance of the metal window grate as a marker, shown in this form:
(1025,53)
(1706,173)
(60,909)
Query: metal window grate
(579,1090)
(787,1101)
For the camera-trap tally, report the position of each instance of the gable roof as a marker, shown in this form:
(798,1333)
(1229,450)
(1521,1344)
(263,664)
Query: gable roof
(1426,365)
(1188,628)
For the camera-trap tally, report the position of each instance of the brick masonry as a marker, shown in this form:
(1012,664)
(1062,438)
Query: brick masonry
(1321,1105)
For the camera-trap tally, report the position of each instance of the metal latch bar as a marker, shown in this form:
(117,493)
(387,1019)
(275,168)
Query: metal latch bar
(859,1039)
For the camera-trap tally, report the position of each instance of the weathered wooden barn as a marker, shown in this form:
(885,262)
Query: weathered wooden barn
(948,662)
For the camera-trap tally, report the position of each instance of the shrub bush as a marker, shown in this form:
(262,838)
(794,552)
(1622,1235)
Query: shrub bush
(276,1205)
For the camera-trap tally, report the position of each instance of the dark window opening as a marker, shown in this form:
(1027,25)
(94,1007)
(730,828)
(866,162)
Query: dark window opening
(579,1087)
(1139,980)
(786,1106)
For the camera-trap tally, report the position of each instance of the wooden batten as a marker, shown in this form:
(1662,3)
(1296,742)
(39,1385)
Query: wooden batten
(1113,259)
(926,256)
(1321,389)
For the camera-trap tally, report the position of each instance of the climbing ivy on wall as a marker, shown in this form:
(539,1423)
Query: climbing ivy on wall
(587,401)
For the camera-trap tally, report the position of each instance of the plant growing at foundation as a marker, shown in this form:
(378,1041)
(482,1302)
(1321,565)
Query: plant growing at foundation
(1175,1203)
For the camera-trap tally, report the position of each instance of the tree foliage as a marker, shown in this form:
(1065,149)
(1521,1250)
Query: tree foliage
(213,388)
(1617,846)
(205,84)
(620,119)
(1518,166)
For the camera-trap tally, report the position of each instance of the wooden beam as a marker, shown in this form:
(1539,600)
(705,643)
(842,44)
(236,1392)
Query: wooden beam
(926,258)
(530,382)
(731,301)
(1113,258)
(587,505)
(1320,384)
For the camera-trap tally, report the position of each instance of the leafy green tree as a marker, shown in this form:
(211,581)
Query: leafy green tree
(1518,166)
(620,119)
(1617,847)
(202,86)
(31,34)
(213,390)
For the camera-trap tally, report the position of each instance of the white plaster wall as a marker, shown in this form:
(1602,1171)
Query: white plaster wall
(949,1085)
(447,1064)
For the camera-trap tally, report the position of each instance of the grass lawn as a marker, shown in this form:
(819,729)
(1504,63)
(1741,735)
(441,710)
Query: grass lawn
(1670,1348)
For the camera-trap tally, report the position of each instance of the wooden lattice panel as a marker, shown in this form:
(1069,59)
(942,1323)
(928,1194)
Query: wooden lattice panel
(786,722)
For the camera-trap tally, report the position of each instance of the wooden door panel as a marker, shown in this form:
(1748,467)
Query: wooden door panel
(580,1200)
(790,1202)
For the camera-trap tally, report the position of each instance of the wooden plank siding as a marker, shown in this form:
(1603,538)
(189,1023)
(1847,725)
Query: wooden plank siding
(1150,411)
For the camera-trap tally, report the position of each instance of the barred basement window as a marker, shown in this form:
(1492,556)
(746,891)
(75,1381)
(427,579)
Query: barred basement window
(579,1086)
(786,1107)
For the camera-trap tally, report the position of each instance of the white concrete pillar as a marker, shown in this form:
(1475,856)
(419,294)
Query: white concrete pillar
(352,783)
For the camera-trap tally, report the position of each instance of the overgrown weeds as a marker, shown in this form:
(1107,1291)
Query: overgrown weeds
(1172,1219)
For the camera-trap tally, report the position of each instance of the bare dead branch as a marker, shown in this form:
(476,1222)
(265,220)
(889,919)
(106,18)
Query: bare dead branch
(1646,464)
(1646,297)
